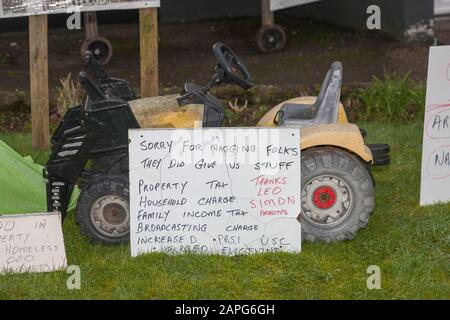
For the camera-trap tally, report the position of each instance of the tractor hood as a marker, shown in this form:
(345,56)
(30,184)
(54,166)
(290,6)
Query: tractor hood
(165,112)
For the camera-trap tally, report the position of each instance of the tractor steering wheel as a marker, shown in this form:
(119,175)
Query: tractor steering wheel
(234,69)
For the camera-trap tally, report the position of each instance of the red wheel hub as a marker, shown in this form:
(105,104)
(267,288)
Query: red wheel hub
(324,197)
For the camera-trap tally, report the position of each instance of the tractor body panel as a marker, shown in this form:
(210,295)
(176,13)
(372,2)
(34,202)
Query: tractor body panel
(343,134)
(96,132)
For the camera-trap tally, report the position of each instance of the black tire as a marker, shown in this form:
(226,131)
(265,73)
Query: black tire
(100,47)
(270,38)
(109,221)
(326,170)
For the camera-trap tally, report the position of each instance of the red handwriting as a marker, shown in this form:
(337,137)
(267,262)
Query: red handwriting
(264,181)
(269,196)
(282,212)
(273,202)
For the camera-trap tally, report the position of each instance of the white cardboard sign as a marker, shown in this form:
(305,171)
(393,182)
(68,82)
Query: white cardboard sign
(283,4)
(31,243)
(220,190)
(435,182)
(19,8)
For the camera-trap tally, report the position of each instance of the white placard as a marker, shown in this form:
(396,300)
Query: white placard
(283,4)
(435,184)
(441,7)
(220,190)
(31,243)
(18,8)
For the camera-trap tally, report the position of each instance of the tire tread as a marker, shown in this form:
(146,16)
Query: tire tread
(345,163)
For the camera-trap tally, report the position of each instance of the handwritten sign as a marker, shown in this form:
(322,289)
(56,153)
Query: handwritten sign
(221,190)
(435,185)
(31,243)
(18,8)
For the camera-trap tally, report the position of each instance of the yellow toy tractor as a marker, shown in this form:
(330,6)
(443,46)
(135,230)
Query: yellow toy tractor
(90,148)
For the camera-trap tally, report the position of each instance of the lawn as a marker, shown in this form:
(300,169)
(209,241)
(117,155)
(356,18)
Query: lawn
(409,243)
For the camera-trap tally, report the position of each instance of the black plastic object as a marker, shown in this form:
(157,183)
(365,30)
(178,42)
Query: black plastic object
(380,153)
(235,70)
(96,131)
(230,69)
(111,87)
(213,110)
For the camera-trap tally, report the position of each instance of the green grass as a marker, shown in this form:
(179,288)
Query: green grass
(393,98)
(409,243)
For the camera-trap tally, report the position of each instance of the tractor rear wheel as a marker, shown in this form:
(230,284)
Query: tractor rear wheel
(337,195)
(103,212)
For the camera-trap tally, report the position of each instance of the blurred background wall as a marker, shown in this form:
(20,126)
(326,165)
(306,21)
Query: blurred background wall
(408,19)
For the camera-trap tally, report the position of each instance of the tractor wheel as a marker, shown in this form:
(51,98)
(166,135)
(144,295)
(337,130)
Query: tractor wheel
(103,212)
(337,195)
(270,38)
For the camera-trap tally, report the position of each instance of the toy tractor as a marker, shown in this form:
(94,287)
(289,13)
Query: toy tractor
(90,149)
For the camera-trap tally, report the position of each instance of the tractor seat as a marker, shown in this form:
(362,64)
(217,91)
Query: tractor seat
(298,111)
(323,111)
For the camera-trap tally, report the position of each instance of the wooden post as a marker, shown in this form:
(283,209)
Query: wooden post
(266,14)
(148,30)
(39,95)
(90,25)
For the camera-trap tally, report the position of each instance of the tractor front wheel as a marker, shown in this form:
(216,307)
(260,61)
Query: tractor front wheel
(337,195)
(103,212)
